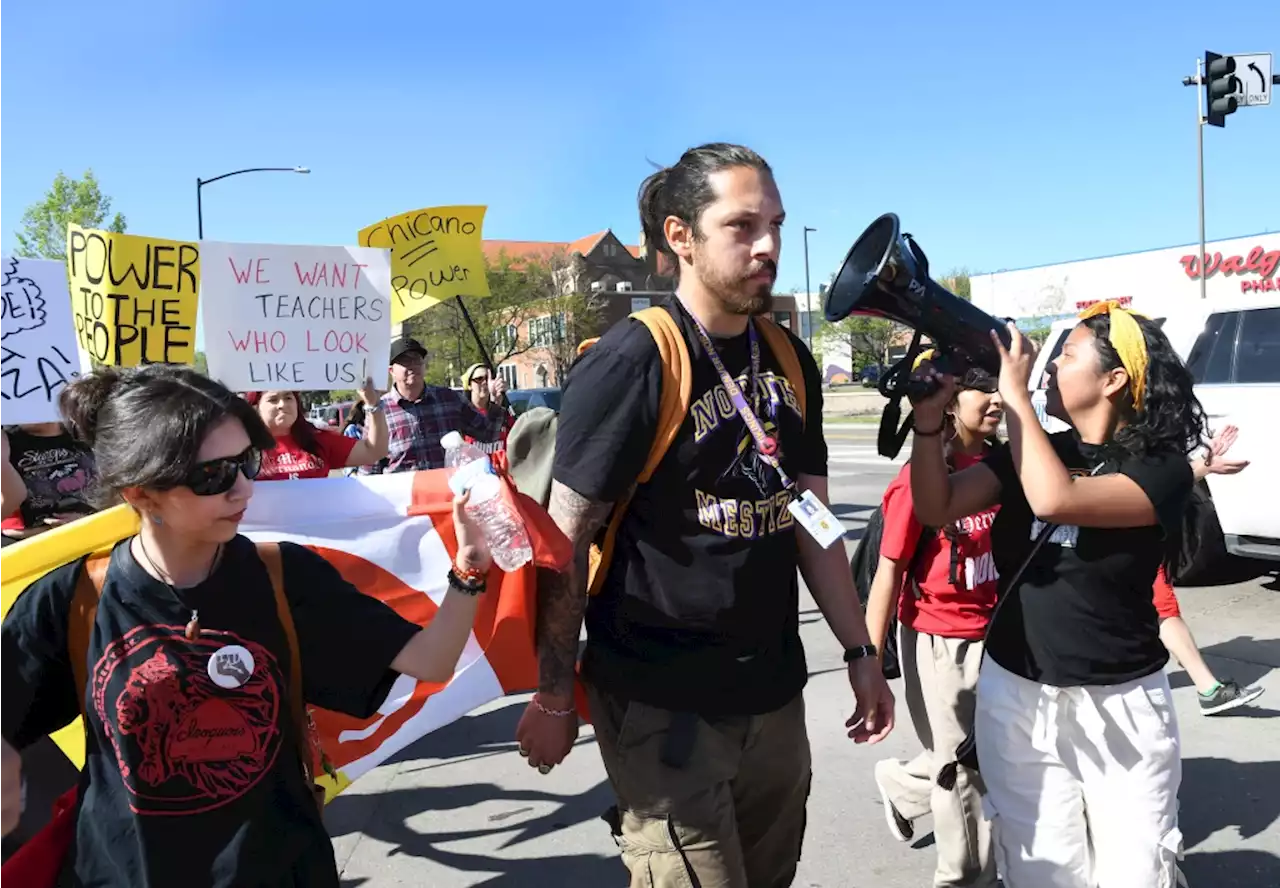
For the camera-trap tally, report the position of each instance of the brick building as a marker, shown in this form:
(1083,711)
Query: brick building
(618,278)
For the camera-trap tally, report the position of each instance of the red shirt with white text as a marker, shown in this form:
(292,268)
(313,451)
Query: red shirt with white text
(959,610)
(288,460)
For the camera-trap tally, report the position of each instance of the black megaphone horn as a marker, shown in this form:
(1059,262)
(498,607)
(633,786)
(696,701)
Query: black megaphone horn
(886,275)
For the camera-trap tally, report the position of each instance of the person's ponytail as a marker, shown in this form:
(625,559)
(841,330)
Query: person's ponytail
(82,401)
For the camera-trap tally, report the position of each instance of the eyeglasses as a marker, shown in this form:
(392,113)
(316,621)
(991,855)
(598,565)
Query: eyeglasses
(479,379)
(219,475)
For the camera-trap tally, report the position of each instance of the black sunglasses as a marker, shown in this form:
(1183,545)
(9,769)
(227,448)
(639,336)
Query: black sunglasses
(219,475)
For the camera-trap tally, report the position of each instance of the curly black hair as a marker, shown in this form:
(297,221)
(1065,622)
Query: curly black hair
(1171,418)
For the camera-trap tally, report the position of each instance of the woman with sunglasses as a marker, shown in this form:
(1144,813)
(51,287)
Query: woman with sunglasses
(942,583)
(192,772)
(303,451)
(1076,734)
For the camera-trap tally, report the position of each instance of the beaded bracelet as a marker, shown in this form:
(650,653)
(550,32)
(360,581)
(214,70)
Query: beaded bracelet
(557,713)
(465,586)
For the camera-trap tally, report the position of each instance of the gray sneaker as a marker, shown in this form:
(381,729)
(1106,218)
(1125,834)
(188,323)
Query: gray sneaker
(1227,696)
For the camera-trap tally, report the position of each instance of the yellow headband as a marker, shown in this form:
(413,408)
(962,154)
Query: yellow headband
(925,355)
(1127,339)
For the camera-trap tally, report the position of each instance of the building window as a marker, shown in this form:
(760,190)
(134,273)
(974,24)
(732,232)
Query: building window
(504,338)
(610,250)
(542,373)
(782,319)
(509,376)
(546,332)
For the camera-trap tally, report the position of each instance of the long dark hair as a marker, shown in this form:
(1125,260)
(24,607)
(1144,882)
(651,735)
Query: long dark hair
(684,190)
(303,432)
(1171,419)
(146,424)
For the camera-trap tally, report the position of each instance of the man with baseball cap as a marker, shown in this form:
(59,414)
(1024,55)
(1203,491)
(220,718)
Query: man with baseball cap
(419,415)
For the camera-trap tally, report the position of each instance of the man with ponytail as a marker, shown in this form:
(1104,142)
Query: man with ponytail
(693,667)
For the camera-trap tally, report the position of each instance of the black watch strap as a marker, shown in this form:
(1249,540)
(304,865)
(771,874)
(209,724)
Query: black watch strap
(859,652)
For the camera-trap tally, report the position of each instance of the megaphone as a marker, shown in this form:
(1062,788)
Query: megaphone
(886,275)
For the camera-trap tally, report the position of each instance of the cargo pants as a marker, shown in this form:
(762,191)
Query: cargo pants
(713,803)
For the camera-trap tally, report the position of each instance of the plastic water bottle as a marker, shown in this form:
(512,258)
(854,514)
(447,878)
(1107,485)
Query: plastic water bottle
(503,527)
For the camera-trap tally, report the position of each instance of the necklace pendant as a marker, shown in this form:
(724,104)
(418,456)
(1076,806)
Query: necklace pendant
(193,626)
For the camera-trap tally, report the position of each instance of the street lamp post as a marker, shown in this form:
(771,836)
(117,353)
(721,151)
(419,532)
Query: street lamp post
(808,293)
(200,183)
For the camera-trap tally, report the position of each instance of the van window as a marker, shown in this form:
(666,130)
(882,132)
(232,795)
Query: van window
(1258,347)
(1210,358)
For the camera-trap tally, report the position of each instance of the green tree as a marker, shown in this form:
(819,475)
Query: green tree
(201,363)
(519,290)
(957,281)
(44,224)
(867,339)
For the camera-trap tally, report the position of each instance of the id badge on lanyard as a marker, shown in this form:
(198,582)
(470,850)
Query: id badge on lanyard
(808,511)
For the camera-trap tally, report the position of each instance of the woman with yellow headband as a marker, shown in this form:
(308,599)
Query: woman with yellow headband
(1075,728)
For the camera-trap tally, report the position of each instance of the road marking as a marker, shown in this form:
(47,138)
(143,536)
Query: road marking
(863,455)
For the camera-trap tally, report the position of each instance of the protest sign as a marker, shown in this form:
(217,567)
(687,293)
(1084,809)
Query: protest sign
(435,255)
(297,318)
(133,298)
(38,353)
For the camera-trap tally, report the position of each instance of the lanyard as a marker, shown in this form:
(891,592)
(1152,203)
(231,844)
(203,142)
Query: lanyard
(766,444)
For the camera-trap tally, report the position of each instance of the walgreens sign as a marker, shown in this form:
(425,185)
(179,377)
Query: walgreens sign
(1255,270)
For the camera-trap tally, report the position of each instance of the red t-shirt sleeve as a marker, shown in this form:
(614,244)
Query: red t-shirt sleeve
(901,529)
(336,447)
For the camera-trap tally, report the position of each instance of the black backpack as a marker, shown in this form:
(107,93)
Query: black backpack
(866,558)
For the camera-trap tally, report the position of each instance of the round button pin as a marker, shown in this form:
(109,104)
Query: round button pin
(231,666)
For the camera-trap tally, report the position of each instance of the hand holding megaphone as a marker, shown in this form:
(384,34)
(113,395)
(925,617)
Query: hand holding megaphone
(1016,363)
(930,392)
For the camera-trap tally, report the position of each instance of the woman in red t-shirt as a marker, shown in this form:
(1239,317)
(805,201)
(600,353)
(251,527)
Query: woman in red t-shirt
(943,584)
(304,451)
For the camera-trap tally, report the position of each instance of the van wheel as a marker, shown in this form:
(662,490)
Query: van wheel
(1200,560)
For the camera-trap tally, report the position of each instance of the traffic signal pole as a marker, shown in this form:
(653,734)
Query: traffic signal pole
(1200,159)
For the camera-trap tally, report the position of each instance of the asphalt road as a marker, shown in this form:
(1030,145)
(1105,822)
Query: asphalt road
(461,807)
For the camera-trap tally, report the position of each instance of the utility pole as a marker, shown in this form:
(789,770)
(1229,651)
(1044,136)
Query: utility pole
(808,293)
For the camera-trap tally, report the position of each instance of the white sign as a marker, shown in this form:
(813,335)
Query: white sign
(296,318)
(1254,73)
(38,354)
(639,303)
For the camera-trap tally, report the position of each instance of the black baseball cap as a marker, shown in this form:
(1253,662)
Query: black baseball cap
(404,345)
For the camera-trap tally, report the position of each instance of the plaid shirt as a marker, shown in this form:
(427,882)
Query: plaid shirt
(417,426)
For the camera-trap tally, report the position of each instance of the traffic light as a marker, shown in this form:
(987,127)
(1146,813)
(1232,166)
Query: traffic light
(1220,85)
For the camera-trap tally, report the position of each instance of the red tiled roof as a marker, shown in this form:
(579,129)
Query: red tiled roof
(545,249)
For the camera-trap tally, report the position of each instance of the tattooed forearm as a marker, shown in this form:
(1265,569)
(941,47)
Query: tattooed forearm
(562,597)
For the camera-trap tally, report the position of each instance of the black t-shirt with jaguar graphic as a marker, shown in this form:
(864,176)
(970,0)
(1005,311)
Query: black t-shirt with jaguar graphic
(192,769)
(700,607)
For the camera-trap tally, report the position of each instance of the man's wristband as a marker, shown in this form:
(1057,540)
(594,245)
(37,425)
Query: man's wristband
(860,652)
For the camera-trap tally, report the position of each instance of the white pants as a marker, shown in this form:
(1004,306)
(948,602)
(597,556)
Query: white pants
(1082,782)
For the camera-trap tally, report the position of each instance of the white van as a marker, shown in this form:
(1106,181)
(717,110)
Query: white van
(1233,351)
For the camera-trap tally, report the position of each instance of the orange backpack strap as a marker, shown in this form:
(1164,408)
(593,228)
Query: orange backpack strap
(84,610)
(784,352)
(269,554)
(677,388)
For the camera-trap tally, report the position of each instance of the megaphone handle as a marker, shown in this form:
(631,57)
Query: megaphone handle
(921,258)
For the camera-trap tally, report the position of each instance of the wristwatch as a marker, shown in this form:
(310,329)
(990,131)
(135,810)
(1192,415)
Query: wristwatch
(859,652)
(374,407)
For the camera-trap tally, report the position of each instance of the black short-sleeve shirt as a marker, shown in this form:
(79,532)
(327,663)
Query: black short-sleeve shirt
(1083,611)
(699,610)
(189,781)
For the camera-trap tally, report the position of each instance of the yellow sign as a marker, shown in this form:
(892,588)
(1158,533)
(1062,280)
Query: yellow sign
(133,298)
(26,562)
(435,255)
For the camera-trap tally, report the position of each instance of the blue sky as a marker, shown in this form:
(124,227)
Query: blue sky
(1004,134)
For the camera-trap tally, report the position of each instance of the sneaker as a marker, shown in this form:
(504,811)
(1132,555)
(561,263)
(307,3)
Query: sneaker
(1227,696)
(900,826)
